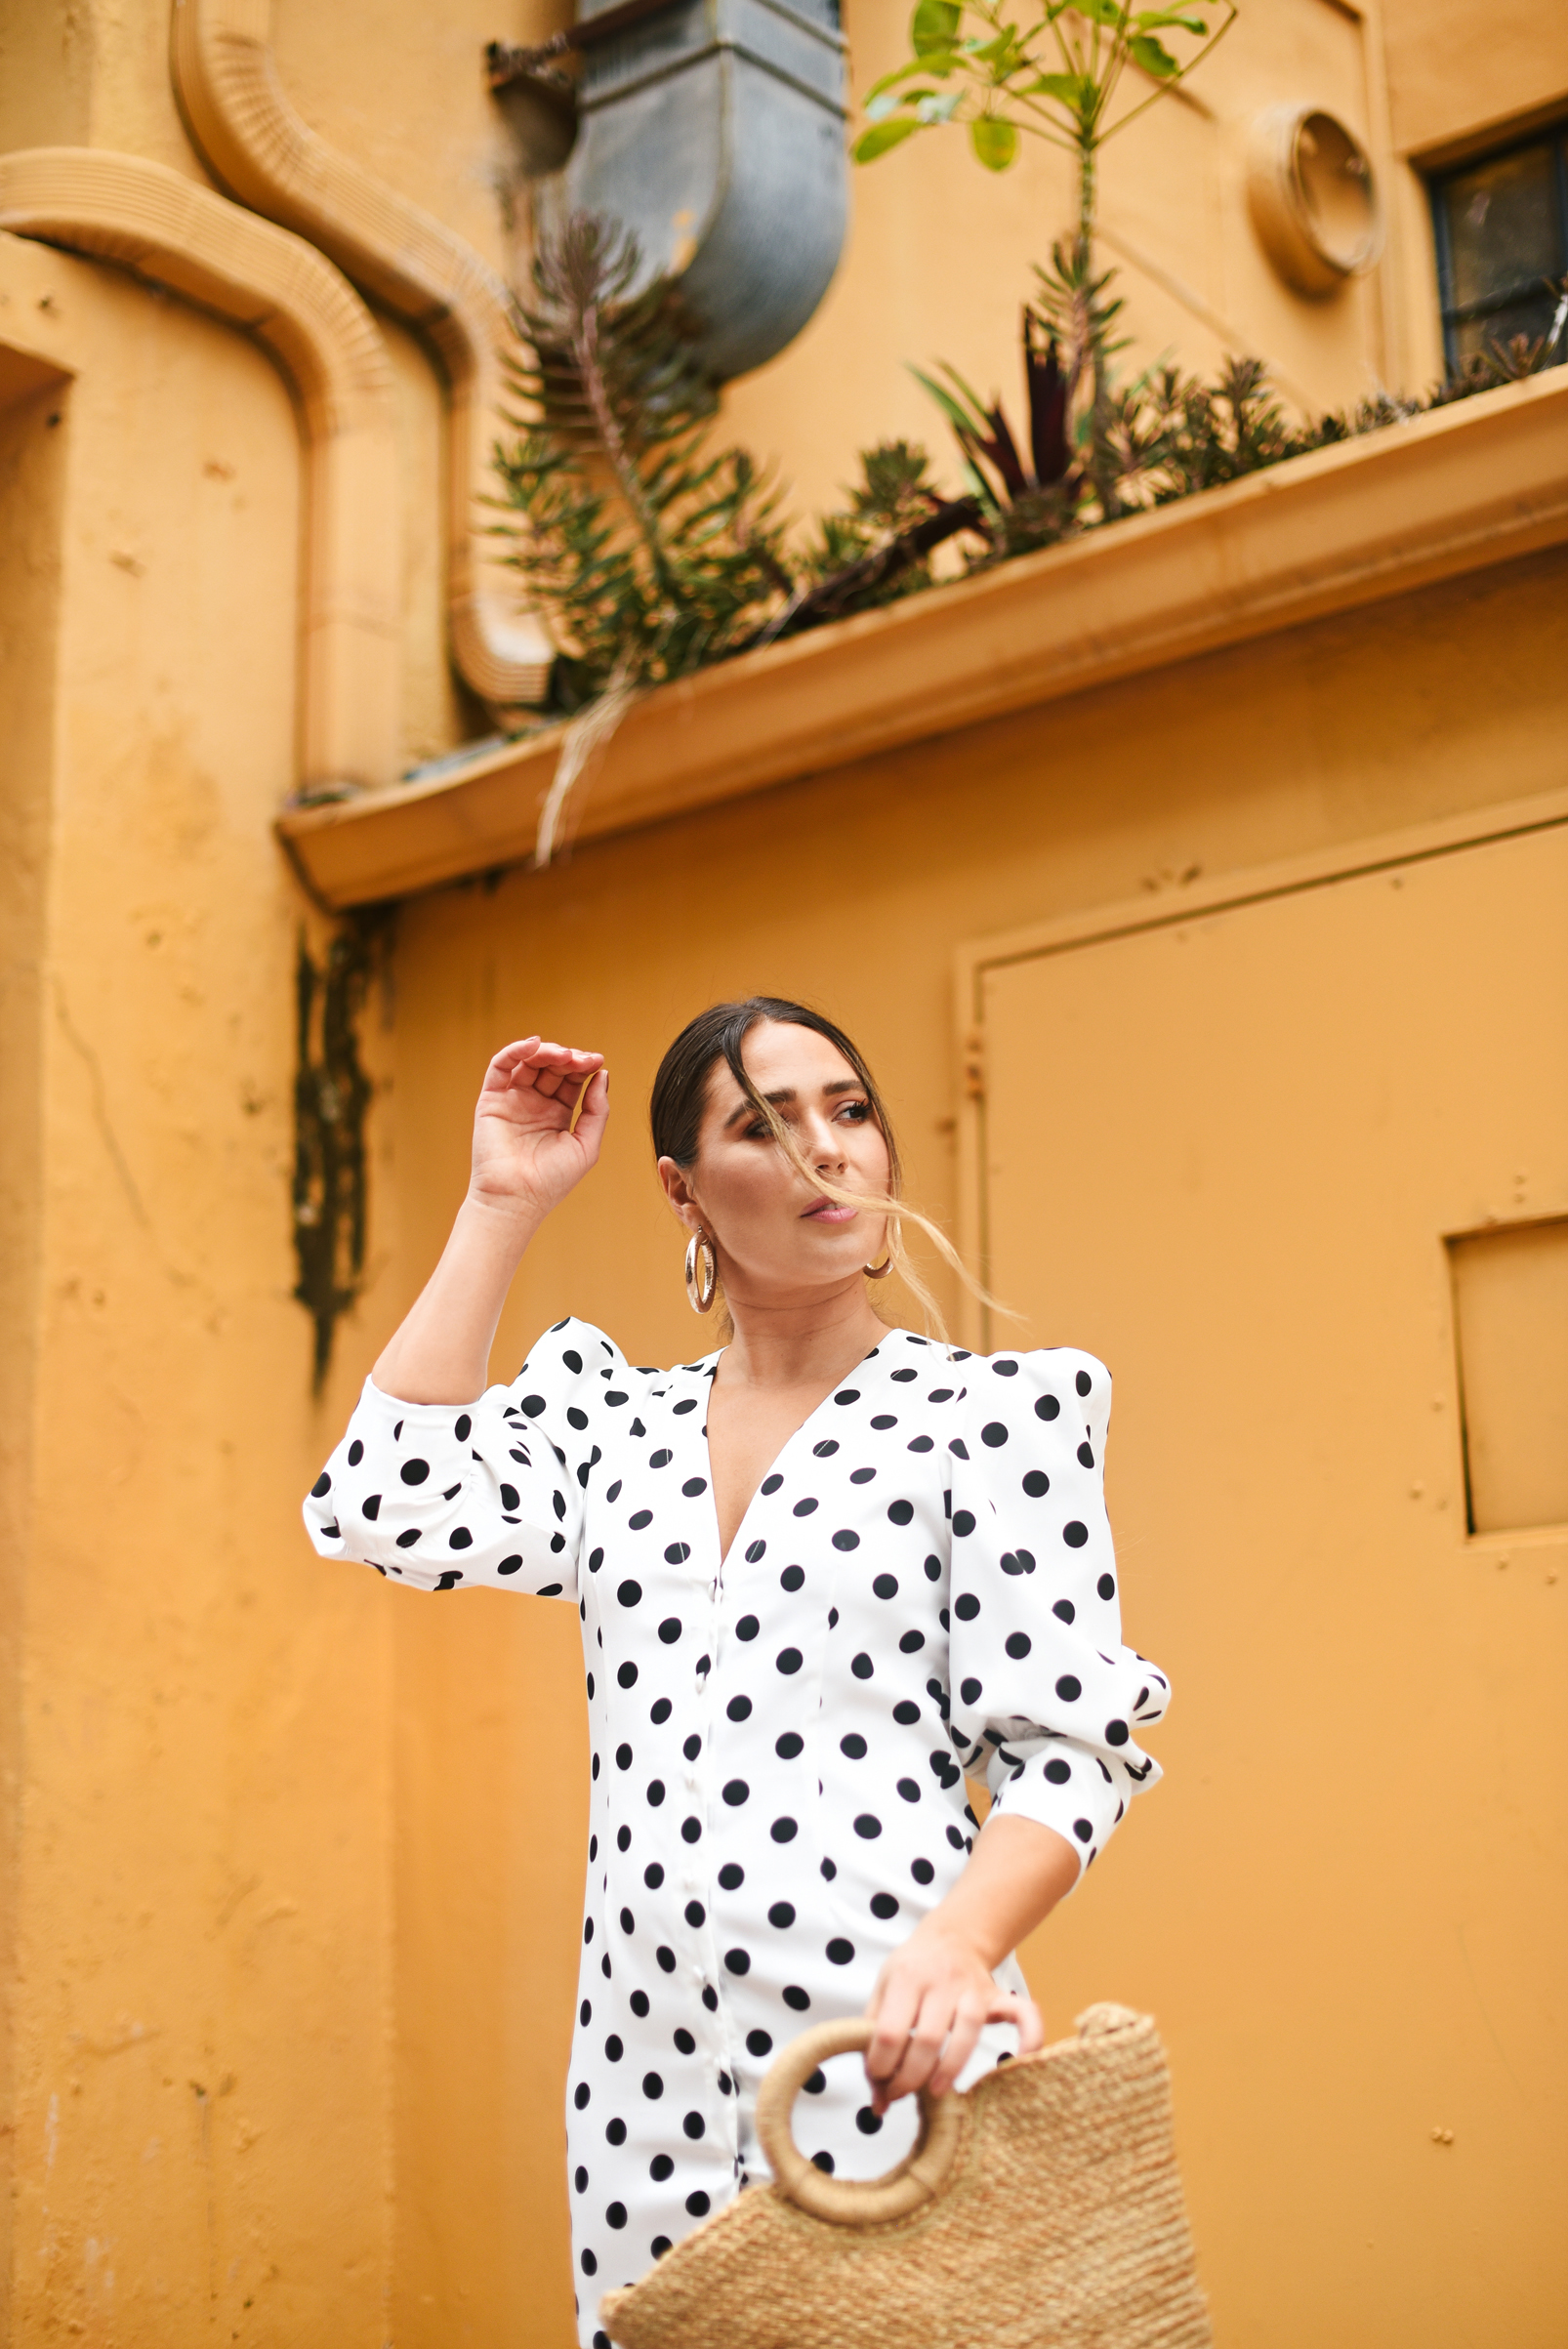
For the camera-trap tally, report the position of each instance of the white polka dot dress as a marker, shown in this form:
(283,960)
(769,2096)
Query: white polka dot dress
(923,1587)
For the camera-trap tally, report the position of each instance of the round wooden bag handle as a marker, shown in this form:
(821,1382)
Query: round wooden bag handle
(845,2202)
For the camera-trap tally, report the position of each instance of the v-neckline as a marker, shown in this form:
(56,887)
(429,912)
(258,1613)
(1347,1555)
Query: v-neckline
(709,1367)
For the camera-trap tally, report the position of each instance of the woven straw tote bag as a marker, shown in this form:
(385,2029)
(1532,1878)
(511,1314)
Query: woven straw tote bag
(1040,2211)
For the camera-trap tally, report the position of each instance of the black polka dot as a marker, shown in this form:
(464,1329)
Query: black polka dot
(659,1712)
(1074,1534)
(899,1512)
(739,1708)
(588,2264)
(412,1471)
(886,1586)
(823,2160)
(1069,1689)
(747,1627)
(737,1792)
(789,1744)
(965,1606)
(1018,1644)
(661,2167)
(1115,1733)
(666,1958)
(862,1666)
(653,2085)
(783,1831)
(638,2003)
(908,1788)
(670,1630)
(868,1826)
(962,1523)
(1085,1456)
(731,1876)
(771,1484)
(581,2095)
(794,1997)
(1083,1829)
(626,1675)
(1064,1610)
(678,1554)
(826,1448)
(1106,1586)
(792,1577)
(643,1517)
(693,1486)
(844,1539)
(697,2204)
(789,1659)
(737,1961)
(804,1509)
(656,1792)
(1057,1771)
(867,2121)
(692,1831)
(994,1435)
(883,1905)
(758,2044)
(615,2132)
(696,1916)
(922,1870)
(911,1644)
(653,1874)
(906,1712)
(842,1952)
(1047,1407)
(781,1916)
(754,1551)
(694,2125)
(692,1746)
(969,1691)
(630,1594)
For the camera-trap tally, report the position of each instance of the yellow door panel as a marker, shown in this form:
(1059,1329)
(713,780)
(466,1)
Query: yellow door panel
(1235,1154)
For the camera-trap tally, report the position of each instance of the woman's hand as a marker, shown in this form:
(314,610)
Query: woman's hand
(932,1999)
(935,1995)
(526,1153)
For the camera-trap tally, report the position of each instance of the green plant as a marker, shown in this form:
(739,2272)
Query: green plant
(1053,78)
(650,551)
(331,1102)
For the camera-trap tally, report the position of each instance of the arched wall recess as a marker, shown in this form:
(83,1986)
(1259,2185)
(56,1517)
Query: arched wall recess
(241,120)
(1313,198)
(172,232)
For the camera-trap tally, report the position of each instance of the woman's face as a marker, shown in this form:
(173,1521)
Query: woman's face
(777,1237)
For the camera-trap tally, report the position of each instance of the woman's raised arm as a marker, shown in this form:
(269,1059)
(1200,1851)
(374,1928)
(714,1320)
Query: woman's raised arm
(528,1153)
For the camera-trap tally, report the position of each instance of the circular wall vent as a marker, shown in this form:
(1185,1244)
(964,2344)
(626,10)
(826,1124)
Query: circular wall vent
(1313,198)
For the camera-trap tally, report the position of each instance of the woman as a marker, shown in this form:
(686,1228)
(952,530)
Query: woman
(822,1575)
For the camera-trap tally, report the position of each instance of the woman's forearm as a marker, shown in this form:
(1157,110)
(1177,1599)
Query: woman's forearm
(1015,1876)
(442,1351)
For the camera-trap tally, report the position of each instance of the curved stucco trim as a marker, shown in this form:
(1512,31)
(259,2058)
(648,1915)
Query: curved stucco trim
(174,233)
(244,124)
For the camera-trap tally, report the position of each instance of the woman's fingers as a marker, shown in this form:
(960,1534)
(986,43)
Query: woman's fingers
(942,2038)
(894,2010)
(593,1116)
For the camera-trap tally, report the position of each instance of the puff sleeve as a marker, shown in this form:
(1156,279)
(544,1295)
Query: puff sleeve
(1046,1700)
(446,1497)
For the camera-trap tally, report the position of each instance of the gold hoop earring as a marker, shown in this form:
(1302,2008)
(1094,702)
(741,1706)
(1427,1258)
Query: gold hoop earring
(702,1273)
(879,1272)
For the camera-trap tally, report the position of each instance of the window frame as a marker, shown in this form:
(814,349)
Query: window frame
(1455,315)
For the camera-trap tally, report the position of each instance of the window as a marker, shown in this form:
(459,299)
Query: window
(1502,243)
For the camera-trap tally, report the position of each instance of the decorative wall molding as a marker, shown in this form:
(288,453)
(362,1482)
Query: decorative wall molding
(174,233)
(260,150)
(1481,482)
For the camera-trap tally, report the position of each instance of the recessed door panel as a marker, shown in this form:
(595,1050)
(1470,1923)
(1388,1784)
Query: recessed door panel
(1229,1154)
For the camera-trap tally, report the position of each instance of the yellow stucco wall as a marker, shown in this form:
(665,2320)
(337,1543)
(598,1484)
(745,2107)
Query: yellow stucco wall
(289,1862)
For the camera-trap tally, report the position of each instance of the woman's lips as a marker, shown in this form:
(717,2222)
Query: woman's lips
(828,1210)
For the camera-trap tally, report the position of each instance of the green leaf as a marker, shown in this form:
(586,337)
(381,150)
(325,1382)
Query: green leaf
(882,135)
(1154,18)
(1101,12)
(1146,51)
(994,143)
(1070,87)
(935,26)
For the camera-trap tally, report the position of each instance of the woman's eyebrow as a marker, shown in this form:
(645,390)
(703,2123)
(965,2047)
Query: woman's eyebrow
(786,1093)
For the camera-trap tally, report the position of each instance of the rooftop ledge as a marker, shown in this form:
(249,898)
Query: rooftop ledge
(1472,485)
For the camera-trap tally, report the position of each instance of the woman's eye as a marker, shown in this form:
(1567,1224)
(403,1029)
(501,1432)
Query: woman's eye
(858,1111)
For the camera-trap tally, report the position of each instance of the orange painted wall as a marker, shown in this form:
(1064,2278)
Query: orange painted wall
(288,1862)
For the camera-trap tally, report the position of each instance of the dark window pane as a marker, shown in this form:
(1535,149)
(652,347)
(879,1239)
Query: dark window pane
(1532,319)
(1503,225)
